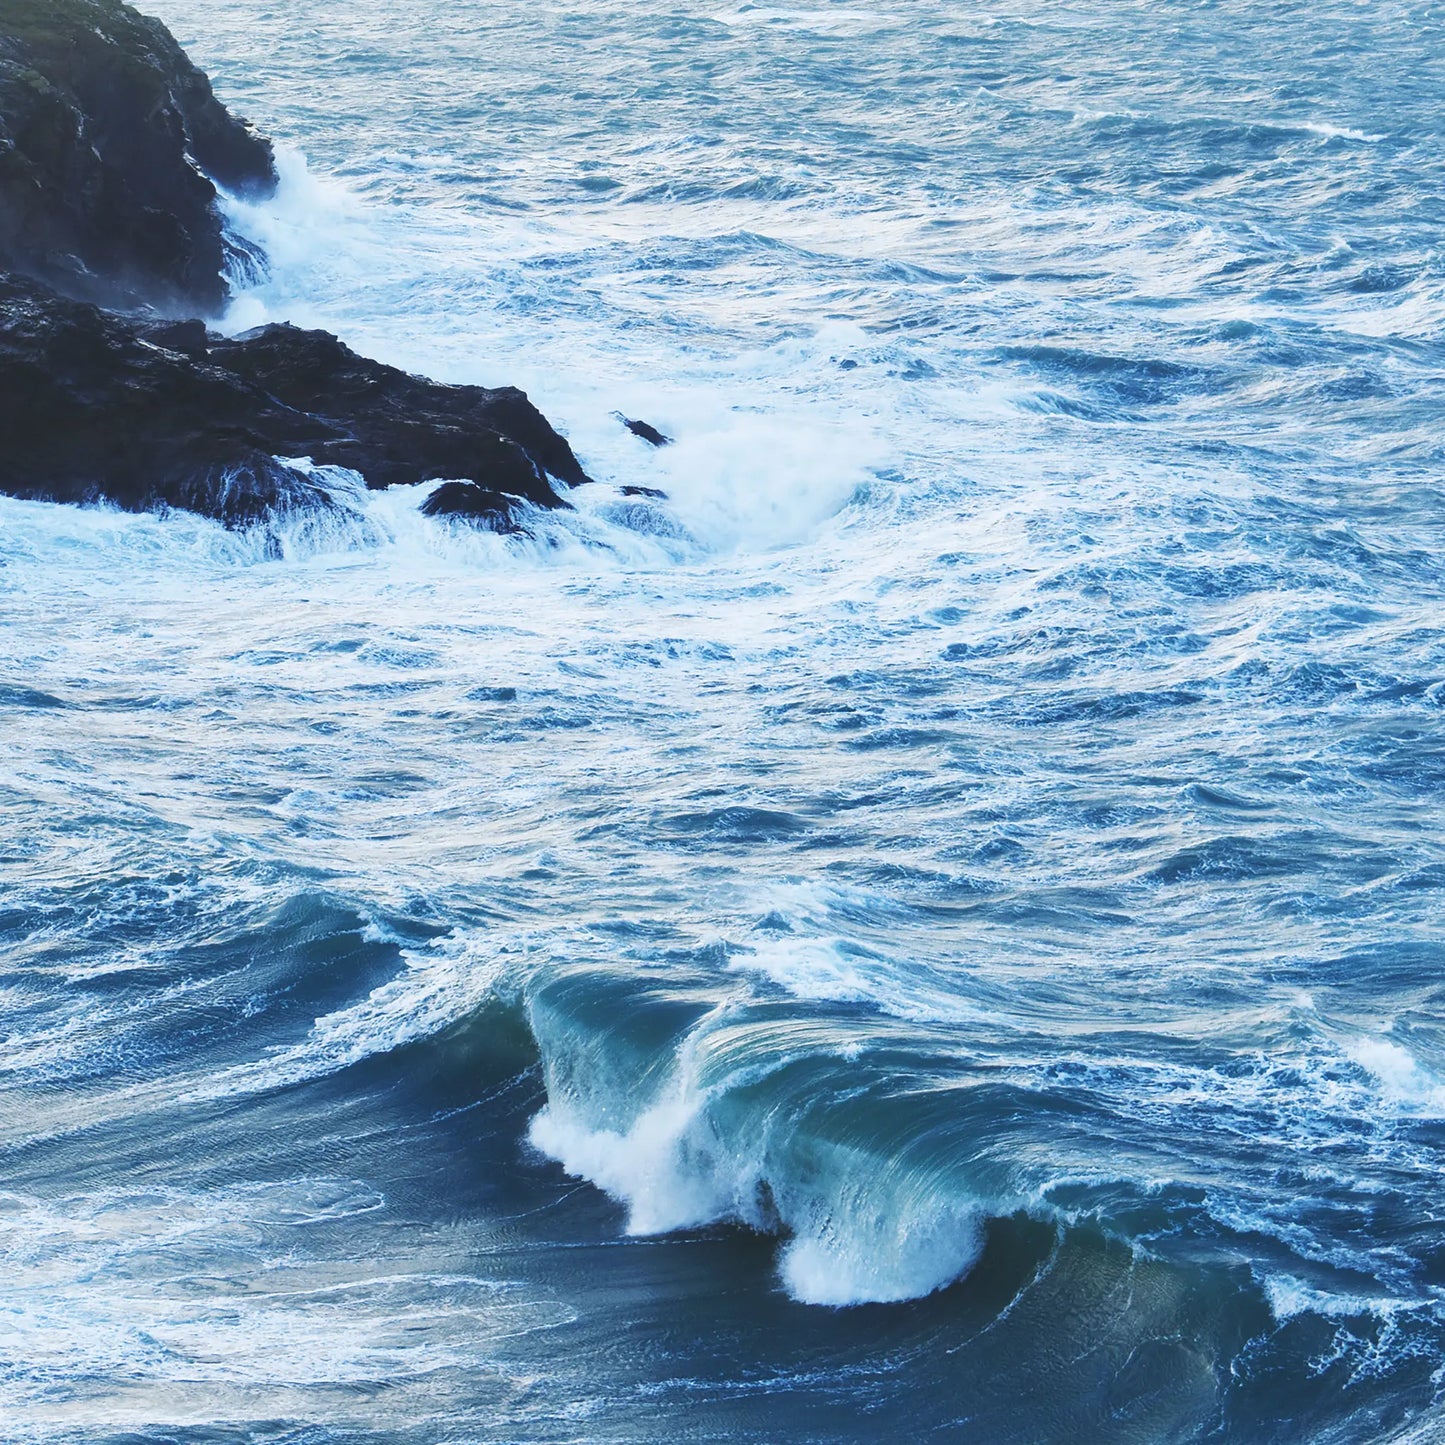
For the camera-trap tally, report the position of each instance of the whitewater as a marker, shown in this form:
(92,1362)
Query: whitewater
(932,923)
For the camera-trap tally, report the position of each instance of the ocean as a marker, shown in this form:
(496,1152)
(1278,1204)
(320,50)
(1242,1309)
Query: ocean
(930,930)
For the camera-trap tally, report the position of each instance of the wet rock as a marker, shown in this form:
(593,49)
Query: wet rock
(645,430)
(479,505)
(111,145)
(189,338)
(97,406)
(391,424)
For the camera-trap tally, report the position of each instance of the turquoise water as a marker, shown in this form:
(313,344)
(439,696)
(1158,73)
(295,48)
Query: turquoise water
(933,928)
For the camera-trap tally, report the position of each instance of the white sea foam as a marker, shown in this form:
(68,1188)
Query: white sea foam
(1406,1083)
(189,1302)
(753,466)
(1289,1297)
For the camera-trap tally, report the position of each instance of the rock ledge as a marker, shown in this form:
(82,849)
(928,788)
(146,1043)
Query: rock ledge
(111,148)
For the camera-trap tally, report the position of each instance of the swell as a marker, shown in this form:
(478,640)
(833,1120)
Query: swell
(892,1164)
(877,1148)
(889,1177)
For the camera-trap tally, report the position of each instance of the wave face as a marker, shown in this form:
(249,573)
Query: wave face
(936,920)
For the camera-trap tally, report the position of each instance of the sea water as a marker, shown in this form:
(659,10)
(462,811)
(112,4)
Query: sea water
(933,929)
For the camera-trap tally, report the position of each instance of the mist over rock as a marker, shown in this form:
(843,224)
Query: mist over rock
(111,145)
(100,407)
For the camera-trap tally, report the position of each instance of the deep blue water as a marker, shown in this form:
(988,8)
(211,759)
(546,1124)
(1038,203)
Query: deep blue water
(934,930)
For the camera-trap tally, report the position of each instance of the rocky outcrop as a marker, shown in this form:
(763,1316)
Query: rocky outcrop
(111,143)
(389,423)
(96,406)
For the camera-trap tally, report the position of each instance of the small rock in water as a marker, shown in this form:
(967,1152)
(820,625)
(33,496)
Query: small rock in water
(472,503)
(645,430)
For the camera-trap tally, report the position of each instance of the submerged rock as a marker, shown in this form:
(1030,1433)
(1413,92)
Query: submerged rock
(96,406)
(111,142)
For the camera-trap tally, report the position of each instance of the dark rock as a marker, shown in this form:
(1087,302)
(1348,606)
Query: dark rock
(189,338)
(95,406)
(655,493)
(475,504)
(389,421)
(645,430)
(110,141)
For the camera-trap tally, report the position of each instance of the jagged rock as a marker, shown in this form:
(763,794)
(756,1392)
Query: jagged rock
(389,420)
(96,406)
(110,140)
(109,143)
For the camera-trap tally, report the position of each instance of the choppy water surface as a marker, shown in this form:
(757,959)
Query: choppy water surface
(937,925)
